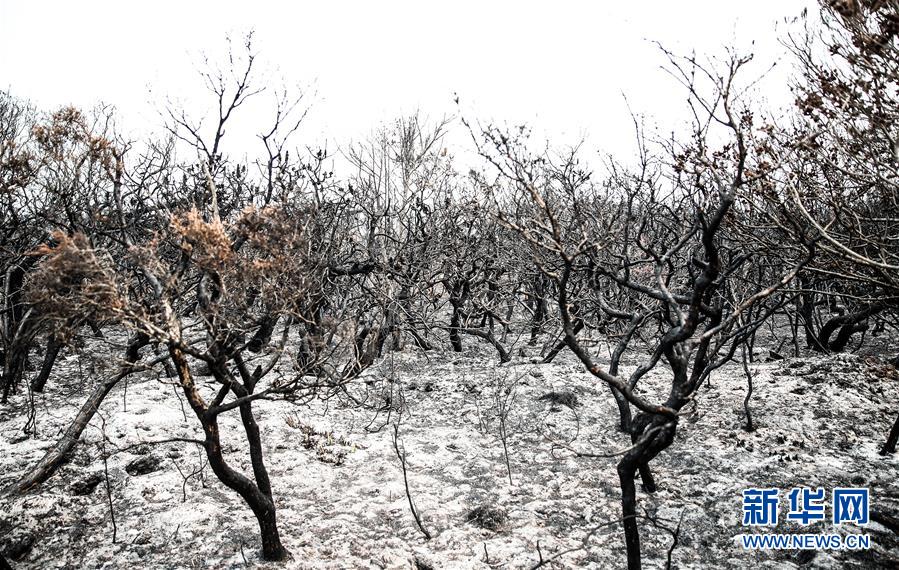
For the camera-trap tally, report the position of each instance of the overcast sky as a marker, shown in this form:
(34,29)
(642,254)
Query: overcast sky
(563,67)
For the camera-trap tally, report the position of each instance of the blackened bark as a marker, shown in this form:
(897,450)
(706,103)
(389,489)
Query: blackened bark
(504,355)
(624,410)
(847,324)
(263,334)
(455,324)
(367,349)
(14,329)
(95,328)
(806,311)
(54,344)
(627,468)
(845,333)
(13,368)
(419,340)
(889,447)
(540,307)
(746,370)
(551,355)
(261,504)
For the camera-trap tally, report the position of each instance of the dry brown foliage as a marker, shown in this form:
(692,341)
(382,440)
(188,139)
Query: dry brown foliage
(72,282)
(207,243)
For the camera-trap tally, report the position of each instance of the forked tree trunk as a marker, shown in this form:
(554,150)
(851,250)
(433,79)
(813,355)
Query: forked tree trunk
(262,505)
(257,495)
(847,325)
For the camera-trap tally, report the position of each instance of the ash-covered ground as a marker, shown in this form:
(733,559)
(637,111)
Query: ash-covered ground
(339,485)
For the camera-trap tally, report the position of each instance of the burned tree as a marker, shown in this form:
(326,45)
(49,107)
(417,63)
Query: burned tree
(843,153)
(656,249)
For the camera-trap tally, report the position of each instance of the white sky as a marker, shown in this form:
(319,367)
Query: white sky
(564,67)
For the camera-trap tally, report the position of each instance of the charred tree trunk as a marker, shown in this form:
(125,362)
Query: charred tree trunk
(455,325)
(554,352)
(367,348)
(260,503)
(54,344)
(845,333)
(847,325)
(401,324)
(60,452)
(889,447)
(13,368)
(504,355)
(263,334)
(256,495)
(540,308)
(627,469)
(652,435)
(624,408)
(95,328)
(312,341)
(806,310)
(419,340)
(14,333)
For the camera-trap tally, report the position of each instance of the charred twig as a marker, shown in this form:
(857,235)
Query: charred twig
(103,440)
(401,455)
(749,426)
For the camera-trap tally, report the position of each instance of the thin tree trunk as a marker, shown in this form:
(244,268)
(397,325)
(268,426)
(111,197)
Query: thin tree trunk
(53,347)
(455,322)
(806,310)
(889,447)
(12,316)
(420,341)
(13,369)
(627,468)
(551,355)
(488,336)
(749,426)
